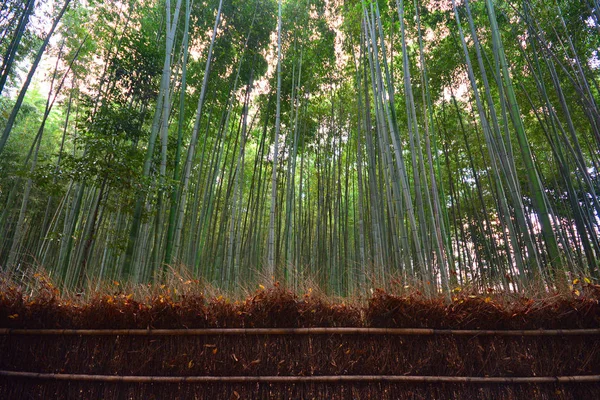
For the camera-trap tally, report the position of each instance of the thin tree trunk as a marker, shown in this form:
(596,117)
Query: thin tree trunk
(271,263)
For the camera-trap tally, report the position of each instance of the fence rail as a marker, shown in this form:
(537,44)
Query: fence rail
(299,331)
(303,379)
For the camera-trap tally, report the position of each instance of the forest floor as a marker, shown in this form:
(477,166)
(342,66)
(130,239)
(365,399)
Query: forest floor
(73,355)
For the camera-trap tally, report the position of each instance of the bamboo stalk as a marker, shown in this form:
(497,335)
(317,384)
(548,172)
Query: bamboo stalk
(300,331)
(303,379)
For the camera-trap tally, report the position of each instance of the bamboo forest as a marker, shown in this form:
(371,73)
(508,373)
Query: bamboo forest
(353,144)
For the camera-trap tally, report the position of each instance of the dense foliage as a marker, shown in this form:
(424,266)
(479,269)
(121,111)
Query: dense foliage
(436,143)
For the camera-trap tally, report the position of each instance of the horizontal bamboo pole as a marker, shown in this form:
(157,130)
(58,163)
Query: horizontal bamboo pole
(302,379)
(299,331)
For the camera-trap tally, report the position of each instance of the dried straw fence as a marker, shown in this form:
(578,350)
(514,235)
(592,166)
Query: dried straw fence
(331,362)
(277,345)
